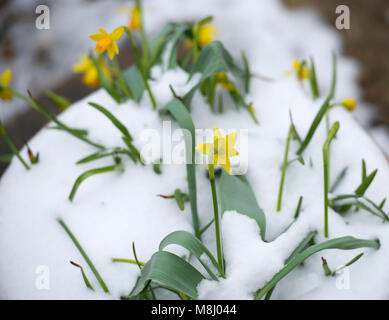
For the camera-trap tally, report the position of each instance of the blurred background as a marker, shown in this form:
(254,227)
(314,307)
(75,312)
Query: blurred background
(42,59)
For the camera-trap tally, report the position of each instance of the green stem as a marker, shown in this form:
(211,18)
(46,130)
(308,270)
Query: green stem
(284,165)
(140,65)
(216,217)
(326,161)
(84,255)
(145,46)
(12,146)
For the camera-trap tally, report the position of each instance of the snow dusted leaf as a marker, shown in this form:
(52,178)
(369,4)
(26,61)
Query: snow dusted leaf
(195,246)
(169,270)
(236,194)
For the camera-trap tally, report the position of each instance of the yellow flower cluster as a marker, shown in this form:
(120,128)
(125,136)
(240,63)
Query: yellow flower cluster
(301,70)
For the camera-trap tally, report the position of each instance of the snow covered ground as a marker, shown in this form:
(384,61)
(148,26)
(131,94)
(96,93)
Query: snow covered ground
(112,210)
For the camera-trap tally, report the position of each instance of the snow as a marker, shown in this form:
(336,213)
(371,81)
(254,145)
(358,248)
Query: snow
(112,210)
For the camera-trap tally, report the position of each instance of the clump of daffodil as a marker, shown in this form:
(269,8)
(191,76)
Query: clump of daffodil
(106,42)
(5,80)
(206,33)
(135,20)
(300,69)
(349,104)
(223,81)
(91,77)
(220,151)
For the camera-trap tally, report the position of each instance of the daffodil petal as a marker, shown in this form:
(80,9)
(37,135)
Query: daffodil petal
(204,148)
(97,36)
(217,134)
(117,33)
(226,165)
(105,33)
(111,52)
(6,77)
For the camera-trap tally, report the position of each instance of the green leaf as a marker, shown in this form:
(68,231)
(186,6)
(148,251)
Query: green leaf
(90,173)
(194,245)
(236,194)
(84,255)
(184,120)
(62,102)
(214,59)
(322,111)
(6,158)
(104,81)
(116,122)
(360,191)
(12,146)
(134,81)
(313,81)
(343,243)
(171,271)
(174,40)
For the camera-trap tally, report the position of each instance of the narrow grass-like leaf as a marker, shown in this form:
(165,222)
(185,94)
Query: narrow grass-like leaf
(90,173)
(205,228)
(12,146)
(338,179)
(298,208)
(313,80)
(236,194)
(294,130)
(170,271)
(283,171)
(121,83)
(353,260)
(184,120)
(6,158)
(84,255)
(86,281)
(322,111)
(326,161)
(62,102)
(246,72)
(194,246)
(177,34)
(116,122)
(343,243)
(131,261)
(360,191)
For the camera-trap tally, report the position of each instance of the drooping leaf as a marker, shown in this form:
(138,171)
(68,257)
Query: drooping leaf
(116,122)
(169,270)
(236,194)
(194,245)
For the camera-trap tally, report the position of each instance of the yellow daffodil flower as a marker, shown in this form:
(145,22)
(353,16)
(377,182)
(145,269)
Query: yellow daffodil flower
(5,79)
(106,42)
(223,81)
(301,70)
(136,19)
(206,34)
(220,150)
(91,76)
(349,104)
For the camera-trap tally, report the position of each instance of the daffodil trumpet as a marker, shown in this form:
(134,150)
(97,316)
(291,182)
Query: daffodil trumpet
(220,151)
